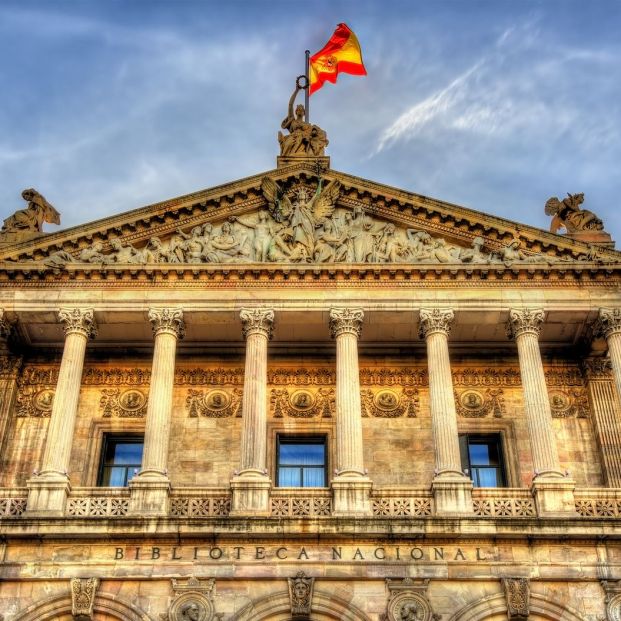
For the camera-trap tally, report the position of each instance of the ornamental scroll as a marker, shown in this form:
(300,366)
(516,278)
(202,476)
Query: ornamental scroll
(390,403)
(218,403)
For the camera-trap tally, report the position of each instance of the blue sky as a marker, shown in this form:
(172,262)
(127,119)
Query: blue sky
(495,105)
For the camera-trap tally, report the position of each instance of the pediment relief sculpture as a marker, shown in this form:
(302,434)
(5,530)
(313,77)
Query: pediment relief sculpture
(27,222)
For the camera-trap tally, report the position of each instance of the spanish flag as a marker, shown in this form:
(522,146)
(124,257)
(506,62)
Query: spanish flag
(340,53)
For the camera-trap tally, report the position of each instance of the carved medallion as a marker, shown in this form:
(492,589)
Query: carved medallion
(303,403)
(385,403)
(474,404)
(130,403)
(193,600)
(219,403)
(35,403)
(44,400)
(408,601)
(568,403)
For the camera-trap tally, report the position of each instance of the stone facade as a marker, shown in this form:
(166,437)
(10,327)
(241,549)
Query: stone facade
(391,346)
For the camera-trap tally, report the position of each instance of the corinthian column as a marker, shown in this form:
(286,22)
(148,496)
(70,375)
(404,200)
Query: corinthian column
(149,489)
(49,488)
(251,484)
(553,490)
(609,325)
(452,490)
(351,486)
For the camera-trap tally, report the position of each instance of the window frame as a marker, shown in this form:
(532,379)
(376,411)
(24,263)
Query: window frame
(117,438)
(489,438)
(301,438)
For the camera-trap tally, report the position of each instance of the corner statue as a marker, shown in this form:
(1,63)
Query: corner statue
(303,138)
(31,219)
(568,214)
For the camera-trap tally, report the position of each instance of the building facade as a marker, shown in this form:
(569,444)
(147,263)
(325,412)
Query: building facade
(305,395)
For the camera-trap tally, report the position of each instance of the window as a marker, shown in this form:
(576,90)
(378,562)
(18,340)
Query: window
(121,460)
(481,458)
(301,461)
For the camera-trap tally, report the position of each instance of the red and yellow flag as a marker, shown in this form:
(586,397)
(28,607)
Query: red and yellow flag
(340,53)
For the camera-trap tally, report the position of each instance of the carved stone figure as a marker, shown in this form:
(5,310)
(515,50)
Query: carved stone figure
(58,259)
(94,254)
(568,214)
(263,233)
(474,254)
(303,138)
(124,252)
(191,612)
(301,594)
(32,218)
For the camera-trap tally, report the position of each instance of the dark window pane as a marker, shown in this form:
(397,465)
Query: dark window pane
(482,460)
(122,460)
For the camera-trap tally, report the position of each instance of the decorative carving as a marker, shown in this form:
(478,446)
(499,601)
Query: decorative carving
(303,139)
(504,507)
(435,320)
(567,403)
(608,322)
(525,321)
(169,320)
(10,367)
(301,595)
(35,403)
(303,403)
(473,404)
(517,592)
(193,600)
(346,321)
(301,507)
(78,321)
(387,403)
(200,507)
(6,326)
(32,218)
(612,588)
(214,403)
(486,376)
(401,507)
(83,592)
(127,404)
(98,506)
(257,321)
(408,601)
(597,368)
(569,215)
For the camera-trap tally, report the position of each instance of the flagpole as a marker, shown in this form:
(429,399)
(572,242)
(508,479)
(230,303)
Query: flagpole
(307,89)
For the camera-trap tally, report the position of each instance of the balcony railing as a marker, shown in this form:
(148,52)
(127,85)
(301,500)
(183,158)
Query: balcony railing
(393,502)
(301,502)
(100,502)
(200,502)
(12,502)
(503,502)
(598,502)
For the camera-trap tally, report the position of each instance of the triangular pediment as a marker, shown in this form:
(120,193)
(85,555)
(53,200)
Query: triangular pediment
(250,221)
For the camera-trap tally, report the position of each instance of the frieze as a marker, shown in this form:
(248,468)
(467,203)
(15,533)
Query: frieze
(474,404)
(36,403)
(214,403)
(303,403)
(127,404)
(569,403)
(387,403)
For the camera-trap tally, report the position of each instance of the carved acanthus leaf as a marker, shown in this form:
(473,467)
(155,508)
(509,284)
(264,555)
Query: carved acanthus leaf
(167,320)
(257,321)
(608,322)
(435,320)
(78,321)
(346,321)
(525,321)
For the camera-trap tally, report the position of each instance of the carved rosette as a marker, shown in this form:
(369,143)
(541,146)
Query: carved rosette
(78,321)
(257,321)
(168,321)
(517,592)
(301,595)
(525,321)
(608,322)
(346,321)
(436,320)
(597,368)
(83,592)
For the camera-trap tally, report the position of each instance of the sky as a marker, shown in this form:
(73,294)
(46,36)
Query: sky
(496,105)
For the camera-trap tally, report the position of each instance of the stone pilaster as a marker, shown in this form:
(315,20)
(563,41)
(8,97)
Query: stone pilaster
(552,489)
(149,489)
(606,416)
(609,325)
(251,484)
(452,489)
(49,488)
(351,486)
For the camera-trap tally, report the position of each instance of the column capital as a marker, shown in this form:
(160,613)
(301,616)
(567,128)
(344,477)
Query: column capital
(597,368)
(167,320)
(346,321)
(78,321)
(434,320)
(257,321)
(608,322)
(525,321)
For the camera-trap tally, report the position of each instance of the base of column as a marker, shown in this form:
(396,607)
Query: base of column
(149,495)
(251,494)
(47,495)
(351,496)
(554,497)
(452,495)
